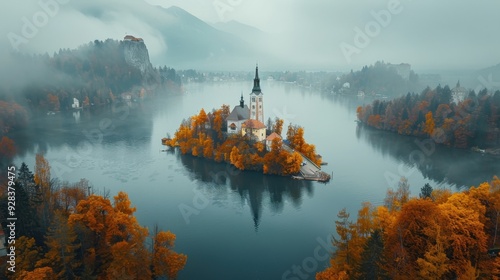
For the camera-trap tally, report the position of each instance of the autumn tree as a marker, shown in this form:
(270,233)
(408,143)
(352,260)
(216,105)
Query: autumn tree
(429,123)
(278,125)
(410,237)
(434,263)
(236,158)
(12,116)
(445,237)
(279,161)
(166,262)
(217,126)
(394,200)
(67,198)
(208,148)
(42,180)
(348,244)
(295,136)
(113,242)
(53,100)
(62,248)
(91,220)
(42,273)
(359,112)
(465,234)
(7,147)
(200,120)
(27,255)
(86,102)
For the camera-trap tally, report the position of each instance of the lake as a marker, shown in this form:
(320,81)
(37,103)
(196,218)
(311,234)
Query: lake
(243,225)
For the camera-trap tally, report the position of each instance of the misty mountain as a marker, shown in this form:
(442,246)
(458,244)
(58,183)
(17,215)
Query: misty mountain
(192,43)
(96,73)
(246,32)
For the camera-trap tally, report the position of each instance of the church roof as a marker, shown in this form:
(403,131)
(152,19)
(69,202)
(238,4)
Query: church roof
(255,124)
(239,113)
(272,136)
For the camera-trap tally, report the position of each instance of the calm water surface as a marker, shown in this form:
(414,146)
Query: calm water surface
(242,225)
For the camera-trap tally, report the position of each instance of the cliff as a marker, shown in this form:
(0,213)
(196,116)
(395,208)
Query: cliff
(136,55)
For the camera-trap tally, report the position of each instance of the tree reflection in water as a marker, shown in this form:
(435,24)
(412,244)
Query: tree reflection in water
(461,168)
(255,189)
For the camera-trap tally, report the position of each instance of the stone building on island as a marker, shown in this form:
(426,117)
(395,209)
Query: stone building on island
(249,120)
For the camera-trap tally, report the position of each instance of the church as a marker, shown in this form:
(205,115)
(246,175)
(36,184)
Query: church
(249,120)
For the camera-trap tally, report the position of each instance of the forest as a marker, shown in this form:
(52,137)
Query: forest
(12,116)
(380,78)
(95,73)
(204,135)
(437,235)
(67,231)
(473,122)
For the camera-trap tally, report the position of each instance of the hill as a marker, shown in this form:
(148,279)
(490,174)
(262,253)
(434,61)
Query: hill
(96,73)
(379,79)
(192,43)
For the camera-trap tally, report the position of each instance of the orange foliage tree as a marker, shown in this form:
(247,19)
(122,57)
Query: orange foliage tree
(444,236)
(202,136)
(429,123)
(7,147)
(281,162)
(12,116)
(42,180)
(278,126)
(166,262)
(115,241)
(54,104)
(295,135)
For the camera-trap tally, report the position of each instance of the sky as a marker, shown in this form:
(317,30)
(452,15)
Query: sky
(317,34)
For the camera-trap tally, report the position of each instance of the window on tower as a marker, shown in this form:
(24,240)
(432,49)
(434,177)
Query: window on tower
(253,99)
(260,99)
(260,106)
(253,106)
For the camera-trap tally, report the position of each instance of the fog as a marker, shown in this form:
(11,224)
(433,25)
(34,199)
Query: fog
(310,35)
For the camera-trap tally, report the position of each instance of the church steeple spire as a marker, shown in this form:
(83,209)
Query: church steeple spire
(256,81)
(256,104)
(242,101)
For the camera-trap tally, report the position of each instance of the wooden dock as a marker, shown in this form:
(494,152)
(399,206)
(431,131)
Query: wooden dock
(319,176)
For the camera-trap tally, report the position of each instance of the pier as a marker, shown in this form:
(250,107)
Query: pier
(309,170)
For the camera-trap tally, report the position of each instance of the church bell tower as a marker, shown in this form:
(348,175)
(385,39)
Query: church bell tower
(256,99)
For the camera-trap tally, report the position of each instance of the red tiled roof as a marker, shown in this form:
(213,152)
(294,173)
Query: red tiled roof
(272,136)
(255,124)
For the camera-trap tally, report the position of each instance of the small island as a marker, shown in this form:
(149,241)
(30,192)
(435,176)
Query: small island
(241,138)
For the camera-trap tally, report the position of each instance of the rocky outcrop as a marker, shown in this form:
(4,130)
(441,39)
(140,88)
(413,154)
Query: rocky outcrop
(136,54)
